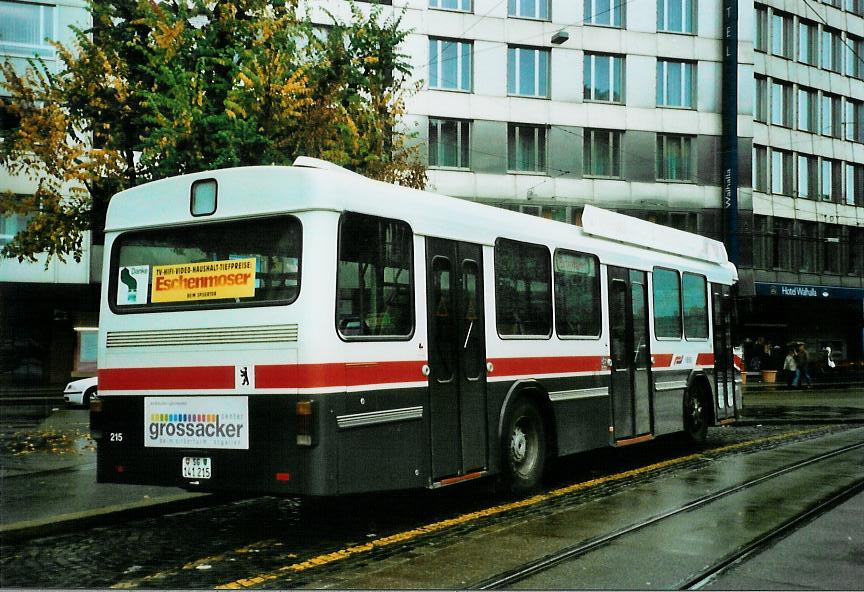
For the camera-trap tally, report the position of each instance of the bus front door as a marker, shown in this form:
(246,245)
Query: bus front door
(457,357)
(630,353)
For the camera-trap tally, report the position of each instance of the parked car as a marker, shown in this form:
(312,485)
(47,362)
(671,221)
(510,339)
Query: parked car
(79,392)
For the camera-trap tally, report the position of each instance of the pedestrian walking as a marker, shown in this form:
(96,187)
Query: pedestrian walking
(802,374)
(790,367)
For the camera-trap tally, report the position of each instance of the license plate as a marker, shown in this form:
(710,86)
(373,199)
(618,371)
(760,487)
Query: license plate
(196,467)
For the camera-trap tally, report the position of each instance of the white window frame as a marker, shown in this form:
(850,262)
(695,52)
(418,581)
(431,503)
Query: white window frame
(540,148)
(437,62)
(688,11)
(592,58)
(687,94)
(461,125)
(42,49)
(462,5)
(617,12)
(516,53)
(514,9)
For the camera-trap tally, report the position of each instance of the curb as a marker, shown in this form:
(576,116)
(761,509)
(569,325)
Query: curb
(107,515)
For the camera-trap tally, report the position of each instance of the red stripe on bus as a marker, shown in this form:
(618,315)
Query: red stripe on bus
(705,359)
(340,374)
(556,365)
(662,360)
(138,379)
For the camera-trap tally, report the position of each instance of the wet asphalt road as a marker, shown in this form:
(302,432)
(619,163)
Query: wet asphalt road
(335,543)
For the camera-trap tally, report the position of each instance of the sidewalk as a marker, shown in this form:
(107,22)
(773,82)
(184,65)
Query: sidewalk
(48,483)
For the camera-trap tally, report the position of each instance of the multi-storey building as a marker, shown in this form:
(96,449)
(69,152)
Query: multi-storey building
(808,174)
(543,106)
(47,314)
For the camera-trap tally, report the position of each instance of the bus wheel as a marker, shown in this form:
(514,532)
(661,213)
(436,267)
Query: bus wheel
(524,447)
(695,416)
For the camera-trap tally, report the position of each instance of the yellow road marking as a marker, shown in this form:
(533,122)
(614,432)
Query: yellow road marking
(413,533)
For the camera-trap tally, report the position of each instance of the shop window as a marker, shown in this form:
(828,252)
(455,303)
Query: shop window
(87,339)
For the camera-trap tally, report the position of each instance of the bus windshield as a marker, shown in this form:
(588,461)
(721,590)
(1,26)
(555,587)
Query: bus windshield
(234,263)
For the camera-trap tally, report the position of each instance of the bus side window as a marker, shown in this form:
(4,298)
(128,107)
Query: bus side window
(374,280)
(667,303)
(523,289)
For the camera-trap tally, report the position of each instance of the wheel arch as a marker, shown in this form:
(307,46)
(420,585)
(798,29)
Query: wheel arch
(534,391)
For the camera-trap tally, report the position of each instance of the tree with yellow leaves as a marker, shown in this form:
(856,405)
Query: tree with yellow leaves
(157,89)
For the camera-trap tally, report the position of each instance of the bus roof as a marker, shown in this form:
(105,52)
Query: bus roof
(314,185)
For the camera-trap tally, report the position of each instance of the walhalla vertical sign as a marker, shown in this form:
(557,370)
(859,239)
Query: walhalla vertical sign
(729,107)
(204,281)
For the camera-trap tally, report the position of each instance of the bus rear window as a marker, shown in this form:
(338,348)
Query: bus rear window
(236,263)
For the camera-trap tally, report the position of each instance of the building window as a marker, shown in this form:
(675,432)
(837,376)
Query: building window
(460,5)
(675,84)
(781,35)
(855,57)
(853,123)
(781,104)
(10,225)
(807,175)
(855,7)
(577,294)
(667,303)
(676,16)
(855,264)
(831,253)
(807,42)
(853,130)
(760,168)
(763,243)
(610,13)
(528,72)
(674,158)
(26,29)
(808,237)
(760,99)
(830,116)
(526,148)
(602,153)
(603,78)
(533,9)
(449,64)
(781,172)
(760,35)
(523,289)
(783,242)
(807,110)
(854,185)
(449,143)
(831,50)
(86,346)
(830,180)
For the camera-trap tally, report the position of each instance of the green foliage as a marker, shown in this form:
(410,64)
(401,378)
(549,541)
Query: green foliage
(159,89)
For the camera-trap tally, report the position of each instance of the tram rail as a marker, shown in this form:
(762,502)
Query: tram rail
(506,579)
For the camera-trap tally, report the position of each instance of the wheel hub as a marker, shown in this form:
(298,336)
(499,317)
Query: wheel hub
(518,445)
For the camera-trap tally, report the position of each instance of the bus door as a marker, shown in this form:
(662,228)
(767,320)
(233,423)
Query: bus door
(630,353)
(457,357)
(724,365)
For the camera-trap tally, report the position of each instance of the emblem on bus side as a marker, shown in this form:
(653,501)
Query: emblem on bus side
(244,377)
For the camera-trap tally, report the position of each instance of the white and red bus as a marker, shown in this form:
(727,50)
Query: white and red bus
(305,330)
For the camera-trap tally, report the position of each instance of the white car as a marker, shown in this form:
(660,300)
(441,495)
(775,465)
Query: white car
(79,392)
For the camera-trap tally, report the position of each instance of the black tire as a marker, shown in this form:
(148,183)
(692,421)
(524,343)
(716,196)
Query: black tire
(695,416)
(89,394)
(523,448)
